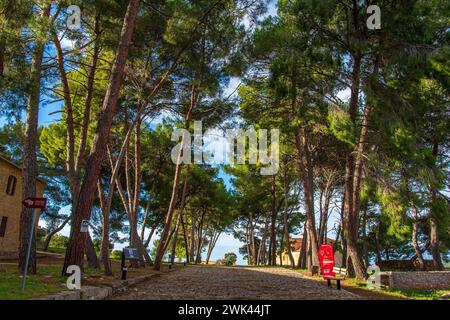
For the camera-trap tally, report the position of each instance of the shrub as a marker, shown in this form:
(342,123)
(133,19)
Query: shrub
(230,258)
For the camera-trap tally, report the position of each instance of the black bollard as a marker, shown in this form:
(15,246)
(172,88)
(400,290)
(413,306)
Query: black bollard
(123,267)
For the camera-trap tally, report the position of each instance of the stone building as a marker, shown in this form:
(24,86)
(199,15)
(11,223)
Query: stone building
(11,206)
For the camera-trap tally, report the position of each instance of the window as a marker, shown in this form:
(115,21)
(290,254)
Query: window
(3,226)
(11,187)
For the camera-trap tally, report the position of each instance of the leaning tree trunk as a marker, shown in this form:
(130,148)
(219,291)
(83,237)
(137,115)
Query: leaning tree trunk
(215,236)
(29,162)
(50,235)
(180,217)
(75,249)
(165,233)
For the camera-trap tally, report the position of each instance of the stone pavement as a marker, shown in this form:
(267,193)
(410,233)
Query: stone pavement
(233,283)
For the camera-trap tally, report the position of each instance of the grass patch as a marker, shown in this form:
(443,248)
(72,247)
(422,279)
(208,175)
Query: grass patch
(416,294)
(45,282)
(48,279)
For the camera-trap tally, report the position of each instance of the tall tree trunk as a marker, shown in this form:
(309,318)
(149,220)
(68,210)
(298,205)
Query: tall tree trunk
(415,244)
(186,242)
(273,236)
(152,231)
(338,236)
(192,238)
(342,232)
(285,220)
(377,248)
(324,205)
(364,236)
(215,236)
(305,167)
(29,164)
(169,216)
(180,216)
(174,240)
(303,249)
(88,103)
(434,245)
(353,175)
(198,258)
(434,232)
(75,249)
(70,130)
(104,249)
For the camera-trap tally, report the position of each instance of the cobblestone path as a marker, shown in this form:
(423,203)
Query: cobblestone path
(235,283)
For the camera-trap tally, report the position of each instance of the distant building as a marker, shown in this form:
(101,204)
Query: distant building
(296,244)
(11,206)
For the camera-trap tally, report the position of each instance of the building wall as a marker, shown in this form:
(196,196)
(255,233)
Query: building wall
(11,207)
(286,260)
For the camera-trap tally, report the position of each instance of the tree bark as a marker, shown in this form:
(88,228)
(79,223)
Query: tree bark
(273,235)
(29,164)
(306,175)
(434,232)
(75,249)
(91,255)
(286,223)
(415,244)
(353,176)
(70,131)
(303,249)
(88,103)
(104,250)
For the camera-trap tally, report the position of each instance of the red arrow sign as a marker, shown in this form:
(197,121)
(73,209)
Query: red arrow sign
(36,203)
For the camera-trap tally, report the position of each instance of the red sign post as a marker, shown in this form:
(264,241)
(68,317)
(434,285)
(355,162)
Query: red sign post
(35,203)
(326,258)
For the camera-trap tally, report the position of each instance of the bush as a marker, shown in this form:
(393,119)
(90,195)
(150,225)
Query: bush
(230,258)
(116,254)
(59,241)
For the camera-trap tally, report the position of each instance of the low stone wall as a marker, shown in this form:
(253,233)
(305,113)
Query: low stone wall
(404,265)
(420,280)
(7,255)
(98,293)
